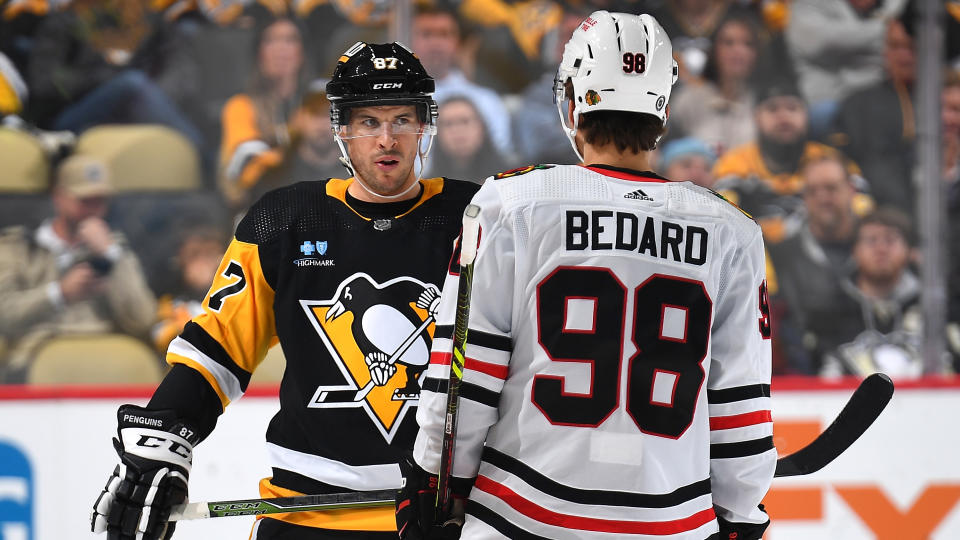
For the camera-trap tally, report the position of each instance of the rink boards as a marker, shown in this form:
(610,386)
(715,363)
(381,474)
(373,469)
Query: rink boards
(901,480)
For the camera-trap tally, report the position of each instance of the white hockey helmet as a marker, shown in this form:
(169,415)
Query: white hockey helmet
(616,62)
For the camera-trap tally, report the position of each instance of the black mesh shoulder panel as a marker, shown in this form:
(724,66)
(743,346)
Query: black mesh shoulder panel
(303,206)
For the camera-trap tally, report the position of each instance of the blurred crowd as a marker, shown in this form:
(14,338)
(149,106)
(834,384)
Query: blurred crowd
(133,133)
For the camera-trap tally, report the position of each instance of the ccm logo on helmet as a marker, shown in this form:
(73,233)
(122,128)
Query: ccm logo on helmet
(387,85)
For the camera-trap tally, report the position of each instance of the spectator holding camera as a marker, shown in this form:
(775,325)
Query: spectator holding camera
(72,274)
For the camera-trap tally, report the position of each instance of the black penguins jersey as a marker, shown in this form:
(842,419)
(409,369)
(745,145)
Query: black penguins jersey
(350,290)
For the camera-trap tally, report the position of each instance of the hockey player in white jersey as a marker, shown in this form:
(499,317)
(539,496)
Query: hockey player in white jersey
(617,373)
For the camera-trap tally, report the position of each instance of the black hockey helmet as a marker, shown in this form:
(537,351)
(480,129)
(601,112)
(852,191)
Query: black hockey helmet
(372,74)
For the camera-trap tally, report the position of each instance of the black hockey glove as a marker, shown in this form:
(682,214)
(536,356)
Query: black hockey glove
(742,531)
(416,501)
(156,451)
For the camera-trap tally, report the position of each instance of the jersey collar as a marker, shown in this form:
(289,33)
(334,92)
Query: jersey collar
(626,174)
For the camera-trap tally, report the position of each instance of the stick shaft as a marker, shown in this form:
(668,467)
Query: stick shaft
(468,252)
(866,404)
(283,505)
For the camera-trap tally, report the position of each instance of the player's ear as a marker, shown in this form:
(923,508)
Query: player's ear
(570,111)
(666,114)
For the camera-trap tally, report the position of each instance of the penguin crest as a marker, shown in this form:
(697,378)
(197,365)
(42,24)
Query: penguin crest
(380,338)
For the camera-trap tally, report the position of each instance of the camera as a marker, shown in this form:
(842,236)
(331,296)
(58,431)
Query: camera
(100,265)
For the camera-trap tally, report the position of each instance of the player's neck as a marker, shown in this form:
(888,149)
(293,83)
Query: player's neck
(609,155)
(365,193)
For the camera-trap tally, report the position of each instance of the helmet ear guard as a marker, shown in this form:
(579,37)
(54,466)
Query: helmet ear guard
(615,62)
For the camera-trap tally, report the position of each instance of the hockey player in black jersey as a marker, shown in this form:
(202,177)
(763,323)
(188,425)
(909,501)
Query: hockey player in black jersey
(345,274)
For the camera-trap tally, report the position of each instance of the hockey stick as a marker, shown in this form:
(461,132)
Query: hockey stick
(468,252)
(283,505)
(866,404)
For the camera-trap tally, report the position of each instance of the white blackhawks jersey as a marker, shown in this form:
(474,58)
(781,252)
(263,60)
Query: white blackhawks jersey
(617,374)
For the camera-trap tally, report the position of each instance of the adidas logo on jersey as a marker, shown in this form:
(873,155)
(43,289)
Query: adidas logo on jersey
(638,195)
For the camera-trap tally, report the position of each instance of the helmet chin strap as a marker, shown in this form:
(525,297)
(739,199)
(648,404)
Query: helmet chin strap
(345,160)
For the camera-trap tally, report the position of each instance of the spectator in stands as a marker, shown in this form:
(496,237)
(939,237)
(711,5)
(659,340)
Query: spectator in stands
(72,274)
(312,154)
(194,267)
(950,119)
(535,133)
(256,130)
(719,111)
(338,24)
(79,78)
(690,159)
(463,148)
(763,176)
(876,126)
(812,262)
(690,25)
(436,40)
(877,321)
(837,47)
(13,89)
(513,40)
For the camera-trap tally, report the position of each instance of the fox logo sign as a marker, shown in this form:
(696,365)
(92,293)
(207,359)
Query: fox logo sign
(380,337)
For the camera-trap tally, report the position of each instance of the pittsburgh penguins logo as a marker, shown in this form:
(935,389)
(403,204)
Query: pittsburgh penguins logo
(380,337)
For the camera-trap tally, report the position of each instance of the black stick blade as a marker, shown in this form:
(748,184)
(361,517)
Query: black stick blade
(866,404)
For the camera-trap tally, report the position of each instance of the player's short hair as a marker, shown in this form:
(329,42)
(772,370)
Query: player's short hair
(625,130)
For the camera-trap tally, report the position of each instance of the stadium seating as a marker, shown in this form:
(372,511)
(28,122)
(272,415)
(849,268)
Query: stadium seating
(95,359)
(158,178)
(144,157)
(25,165)
(24,179)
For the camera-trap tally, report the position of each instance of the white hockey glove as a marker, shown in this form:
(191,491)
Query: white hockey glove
(380,367)
(156,452)
(429,300)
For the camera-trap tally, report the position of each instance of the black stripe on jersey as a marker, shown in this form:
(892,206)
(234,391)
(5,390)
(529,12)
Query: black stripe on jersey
(467,391)
(593,496)
(476,337)
(199,338)
(504,527)
(741,449)
(739,393)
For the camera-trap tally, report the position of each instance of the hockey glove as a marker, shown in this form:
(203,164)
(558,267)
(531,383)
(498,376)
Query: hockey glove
(742,531)
(416,502)
(156,451)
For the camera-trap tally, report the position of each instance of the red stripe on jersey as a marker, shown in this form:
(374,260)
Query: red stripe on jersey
(440,358)
(739,420)
(472,364)
(625,175)
(543,515)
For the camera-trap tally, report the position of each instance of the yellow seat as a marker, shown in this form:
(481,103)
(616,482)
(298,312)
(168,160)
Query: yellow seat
(144,157)
(270,371)
(95,359)
(25,168)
